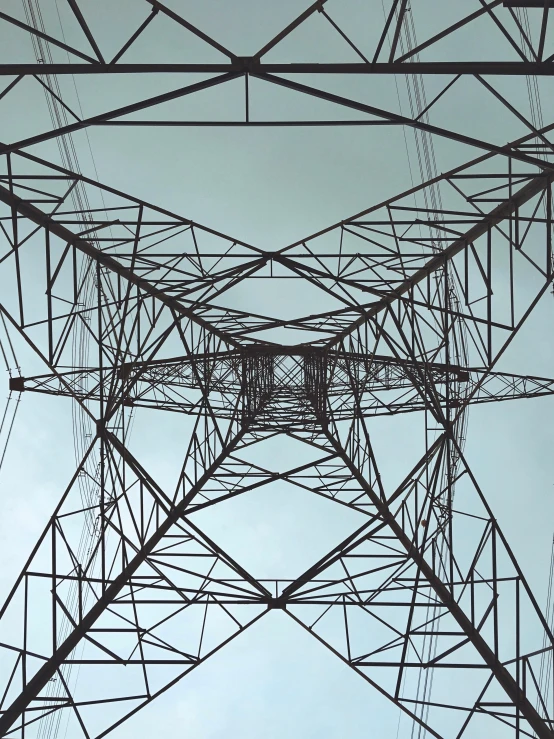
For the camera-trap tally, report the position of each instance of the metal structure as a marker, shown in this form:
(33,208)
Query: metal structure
(127,306)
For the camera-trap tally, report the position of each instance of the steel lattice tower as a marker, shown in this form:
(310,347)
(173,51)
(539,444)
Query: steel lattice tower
(128,306)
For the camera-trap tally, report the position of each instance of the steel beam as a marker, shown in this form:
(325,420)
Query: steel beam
(496,216)
(34,214)
(62,653)
(528,3)
(498,68)
(393,118)
(444,595)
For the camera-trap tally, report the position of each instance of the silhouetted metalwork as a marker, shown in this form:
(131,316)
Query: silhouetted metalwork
(130,306)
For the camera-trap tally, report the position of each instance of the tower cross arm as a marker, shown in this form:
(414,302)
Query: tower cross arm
(500,213)
(37,216)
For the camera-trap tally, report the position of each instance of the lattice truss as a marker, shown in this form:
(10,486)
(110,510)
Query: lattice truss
(319,68)
(408,307)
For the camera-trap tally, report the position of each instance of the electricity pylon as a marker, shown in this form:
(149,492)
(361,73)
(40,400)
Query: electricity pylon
(133,307)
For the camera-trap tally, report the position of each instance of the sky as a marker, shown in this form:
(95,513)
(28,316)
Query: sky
(271,187)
